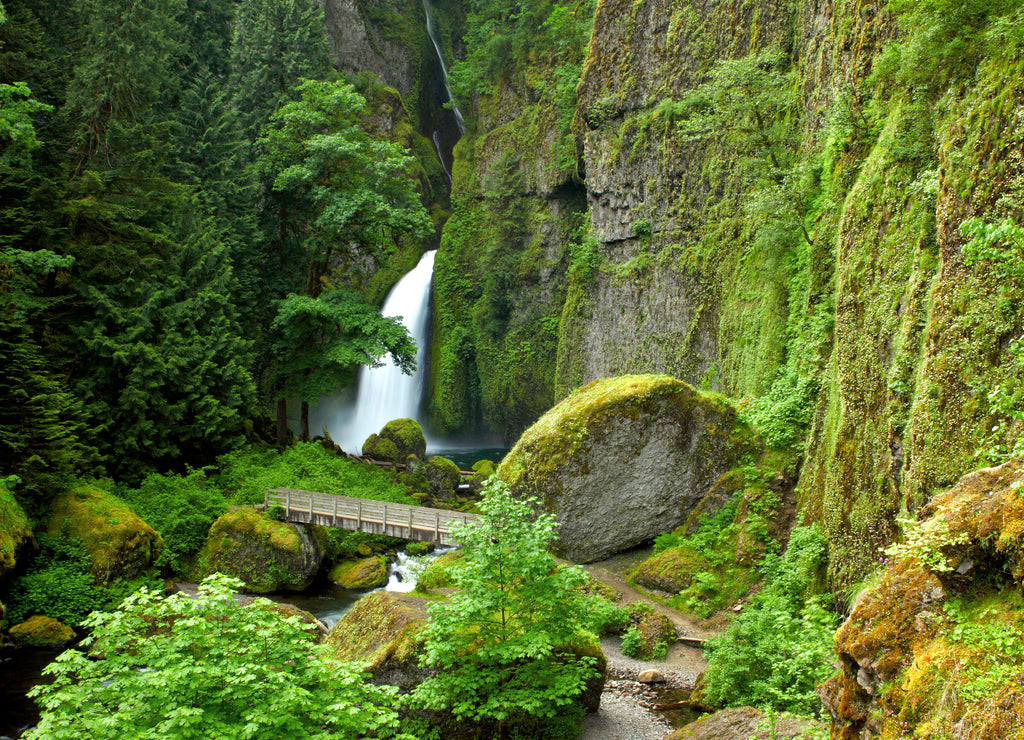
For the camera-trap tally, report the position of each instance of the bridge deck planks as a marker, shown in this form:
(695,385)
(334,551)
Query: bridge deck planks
(364,515)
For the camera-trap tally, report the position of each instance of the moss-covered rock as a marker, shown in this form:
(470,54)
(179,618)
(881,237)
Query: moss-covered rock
(377,448)
(443,476)
(407,436)
(383,633)
(40,631)
(482,471)
(746,723)
(625,459)
(266,555)
(931,647)
(368,572)
(119,543)
(437,574)
(15,531)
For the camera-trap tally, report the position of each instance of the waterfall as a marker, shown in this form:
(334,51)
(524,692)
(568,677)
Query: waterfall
(385,393)
(444,68)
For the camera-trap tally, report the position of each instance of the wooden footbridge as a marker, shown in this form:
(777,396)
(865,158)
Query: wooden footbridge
(363,515)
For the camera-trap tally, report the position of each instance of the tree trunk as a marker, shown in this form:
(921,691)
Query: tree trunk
(305,421)
(282,423)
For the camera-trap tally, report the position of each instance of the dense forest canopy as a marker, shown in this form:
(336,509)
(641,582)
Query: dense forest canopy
(176,179)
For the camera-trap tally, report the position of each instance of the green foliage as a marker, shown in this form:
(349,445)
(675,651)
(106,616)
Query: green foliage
(997,643)
(180,508)
(779,648)
(179,667)
(1000,248)
(59,583)
(924,541)
(318,341)
(607,617)
(500,643)
(246,474)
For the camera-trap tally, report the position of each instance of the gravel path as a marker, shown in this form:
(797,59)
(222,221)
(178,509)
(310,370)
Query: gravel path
(625,712)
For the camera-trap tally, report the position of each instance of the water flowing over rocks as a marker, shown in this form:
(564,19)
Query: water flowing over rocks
(623,460)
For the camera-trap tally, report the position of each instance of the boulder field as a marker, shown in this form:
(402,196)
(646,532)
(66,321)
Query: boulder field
(625,459)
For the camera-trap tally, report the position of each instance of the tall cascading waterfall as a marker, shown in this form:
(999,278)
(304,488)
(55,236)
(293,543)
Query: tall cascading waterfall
(385,393)
(443,142)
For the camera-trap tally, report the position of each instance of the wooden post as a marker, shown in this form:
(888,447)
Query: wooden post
(384,520)
(311,508)
(359,517)
(334,519)
(410,523)
(288,503)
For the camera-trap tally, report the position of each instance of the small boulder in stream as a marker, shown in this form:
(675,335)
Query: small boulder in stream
(625,459)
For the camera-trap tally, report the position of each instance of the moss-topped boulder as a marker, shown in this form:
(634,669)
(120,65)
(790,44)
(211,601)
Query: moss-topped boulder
(405,434)
(39,631)
(119,543)
(443,476)
(368,572)
(377,448)
(383,632)
(15,532)
(265,554)
(623,460)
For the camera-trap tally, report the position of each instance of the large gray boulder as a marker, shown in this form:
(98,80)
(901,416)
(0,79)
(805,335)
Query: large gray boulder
(625,459)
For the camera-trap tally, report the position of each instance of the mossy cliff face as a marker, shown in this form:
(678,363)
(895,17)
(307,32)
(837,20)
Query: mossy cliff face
(623,460)
(932,648)
(119,544)
(15,531)
(266,555)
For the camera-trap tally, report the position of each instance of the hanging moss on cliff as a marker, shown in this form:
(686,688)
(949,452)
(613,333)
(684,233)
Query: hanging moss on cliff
(15,530)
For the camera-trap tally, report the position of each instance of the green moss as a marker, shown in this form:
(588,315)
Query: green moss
(120,545)
(407,437)
(15,530)
(368,572)
(377,448)
(381,627)
(437,574)
(444,476)
(564,430)
(267,555)
(41,631)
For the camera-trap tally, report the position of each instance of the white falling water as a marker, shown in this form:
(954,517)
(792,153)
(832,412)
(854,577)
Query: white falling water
(385,393)
(444,68)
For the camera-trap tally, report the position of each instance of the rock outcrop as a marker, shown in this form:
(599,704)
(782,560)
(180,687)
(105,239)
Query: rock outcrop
(623,460)
(15,531)
(932,648)
(266,555)
(119,543)
(368,572)
(744,723)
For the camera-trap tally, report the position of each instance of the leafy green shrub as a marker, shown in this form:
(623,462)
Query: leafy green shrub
(206,676)
(497,643)
(632,643)
(246,474)
(780,647)
(59,584)
(181,508)
(607,618)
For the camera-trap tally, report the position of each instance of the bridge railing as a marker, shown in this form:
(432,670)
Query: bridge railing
(363,515)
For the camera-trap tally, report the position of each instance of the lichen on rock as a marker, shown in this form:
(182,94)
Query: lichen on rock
(934,643)
(623,460)
(119,543)
(266,555)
